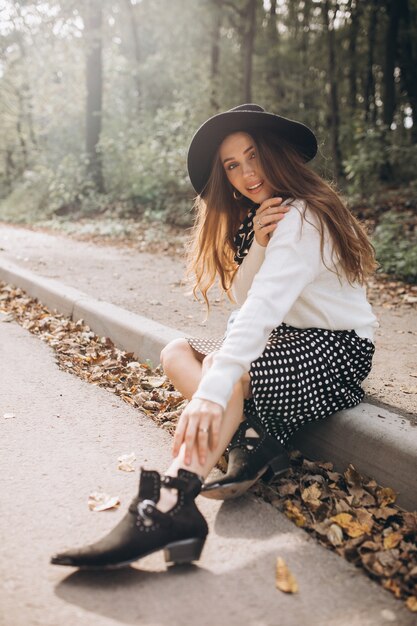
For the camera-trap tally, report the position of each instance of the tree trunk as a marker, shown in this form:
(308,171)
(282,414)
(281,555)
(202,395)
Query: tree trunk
(273,69)
(215,55)
(94,84)
(272,23)
(248,45)
(408,62)
(353,36)
(370,105)
(333,99)
(391,45)
(136,51)
(304,47)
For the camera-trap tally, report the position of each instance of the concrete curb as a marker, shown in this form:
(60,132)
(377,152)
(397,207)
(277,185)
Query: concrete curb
(378,442)
(128,331)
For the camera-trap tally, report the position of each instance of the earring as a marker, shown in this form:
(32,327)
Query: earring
(236,194)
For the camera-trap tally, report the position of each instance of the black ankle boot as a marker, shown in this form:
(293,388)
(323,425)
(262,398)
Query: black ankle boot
(249,459)
(180,532)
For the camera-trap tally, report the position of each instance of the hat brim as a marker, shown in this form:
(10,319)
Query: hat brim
(209,136)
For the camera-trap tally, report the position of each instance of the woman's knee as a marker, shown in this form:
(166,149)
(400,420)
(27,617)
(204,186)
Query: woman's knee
(173,352)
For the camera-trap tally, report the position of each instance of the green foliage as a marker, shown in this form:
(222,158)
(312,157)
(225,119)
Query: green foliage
(149,166)
(395,241)
(26,203)
(377,154)
(363,167)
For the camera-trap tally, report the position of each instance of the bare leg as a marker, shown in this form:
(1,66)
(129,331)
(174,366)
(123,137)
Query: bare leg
(184,369)
(182,366)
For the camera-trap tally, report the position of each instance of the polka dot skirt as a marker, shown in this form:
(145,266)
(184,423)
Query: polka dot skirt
(303,374)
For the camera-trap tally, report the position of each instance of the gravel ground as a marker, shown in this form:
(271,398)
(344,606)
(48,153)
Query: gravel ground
(152,284)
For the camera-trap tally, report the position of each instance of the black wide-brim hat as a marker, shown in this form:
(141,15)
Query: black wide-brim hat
(245,117)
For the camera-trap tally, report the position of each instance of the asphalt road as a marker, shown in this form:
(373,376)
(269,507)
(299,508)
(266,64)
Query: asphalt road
(63,444)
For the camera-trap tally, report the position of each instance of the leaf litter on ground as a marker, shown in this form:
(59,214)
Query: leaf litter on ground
(100,501)
(345,511)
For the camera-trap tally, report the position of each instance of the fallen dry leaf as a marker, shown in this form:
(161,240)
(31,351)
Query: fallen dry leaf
(293,513)
(392,586)
(411,604)
(284,579)
(125,462)
(100,501)
(311,495)
(386,496)
(8,416)
(392,540)
(353,527)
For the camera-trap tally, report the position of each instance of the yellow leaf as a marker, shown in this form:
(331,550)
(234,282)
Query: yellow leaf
(284,579)
(392,540)
(385,496)
(342,519)
(293,512)
(352,527)
(392,586)
(412,604)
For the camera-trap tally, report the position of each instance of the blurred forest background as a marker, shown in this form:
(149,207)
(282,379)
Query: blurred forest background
(99,100)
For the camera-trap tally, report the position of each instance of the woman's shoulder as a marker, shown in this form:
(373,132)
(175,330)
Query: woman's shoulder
(301,214)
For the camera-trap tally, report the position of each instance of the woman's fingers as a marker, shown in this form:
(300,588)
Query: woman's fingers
(198,426)
(189,440)
(202,443)
(270,218)
(179,433)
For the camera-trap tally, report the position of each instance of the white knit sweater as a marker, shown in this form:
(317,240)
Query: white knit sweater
(286,281)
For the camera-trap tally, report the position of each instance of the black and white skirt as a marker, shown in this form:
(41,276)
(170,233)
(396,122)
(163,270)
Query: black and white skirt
(303,374)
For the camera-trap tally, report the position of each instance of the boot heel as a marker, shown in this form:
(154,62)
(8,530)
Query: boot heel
(184,551)
(275,468)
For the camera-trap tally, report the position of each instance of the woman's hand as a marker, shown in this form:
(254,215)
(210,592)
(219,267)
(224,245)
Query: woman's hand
(266,219)
(198,423)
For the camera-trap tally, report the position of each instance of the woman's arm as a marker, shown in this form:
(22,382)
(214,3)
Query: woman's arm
(247,271)
(292,261)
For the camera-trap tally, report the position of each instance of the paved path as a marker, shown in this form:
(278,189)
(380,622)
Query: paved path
(63,444)
(150,285)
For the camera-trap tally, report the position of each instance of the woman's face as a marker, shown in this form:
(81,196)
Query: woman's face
(239,157)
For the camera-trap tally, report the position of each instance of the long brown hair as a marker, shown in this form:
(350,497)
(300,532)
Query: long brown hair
(218,215)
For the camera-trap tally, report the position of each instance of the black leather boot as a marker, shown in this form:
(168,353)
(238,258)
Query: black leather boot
(249,459)
(180,532)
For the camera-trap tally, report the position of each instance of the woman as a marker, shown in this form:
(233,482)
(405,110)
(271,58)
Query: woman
(281,240)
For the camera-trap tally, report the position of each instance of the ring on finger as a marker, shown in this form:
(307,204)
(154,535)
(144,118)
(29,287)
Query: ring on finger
(259,222)
(203,430)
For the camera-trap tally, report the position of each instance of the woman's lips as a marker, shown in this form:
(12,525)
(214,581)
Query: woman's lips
(255,189)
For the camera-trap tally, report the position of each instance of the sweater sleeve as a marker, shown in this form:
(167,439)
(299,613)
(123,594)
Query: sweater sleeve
(244,276)
(247,271)
(292,261)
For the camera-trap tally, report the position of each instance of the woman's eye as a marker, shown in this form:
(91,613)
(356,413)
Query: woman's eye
(252,156)
(231,166)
